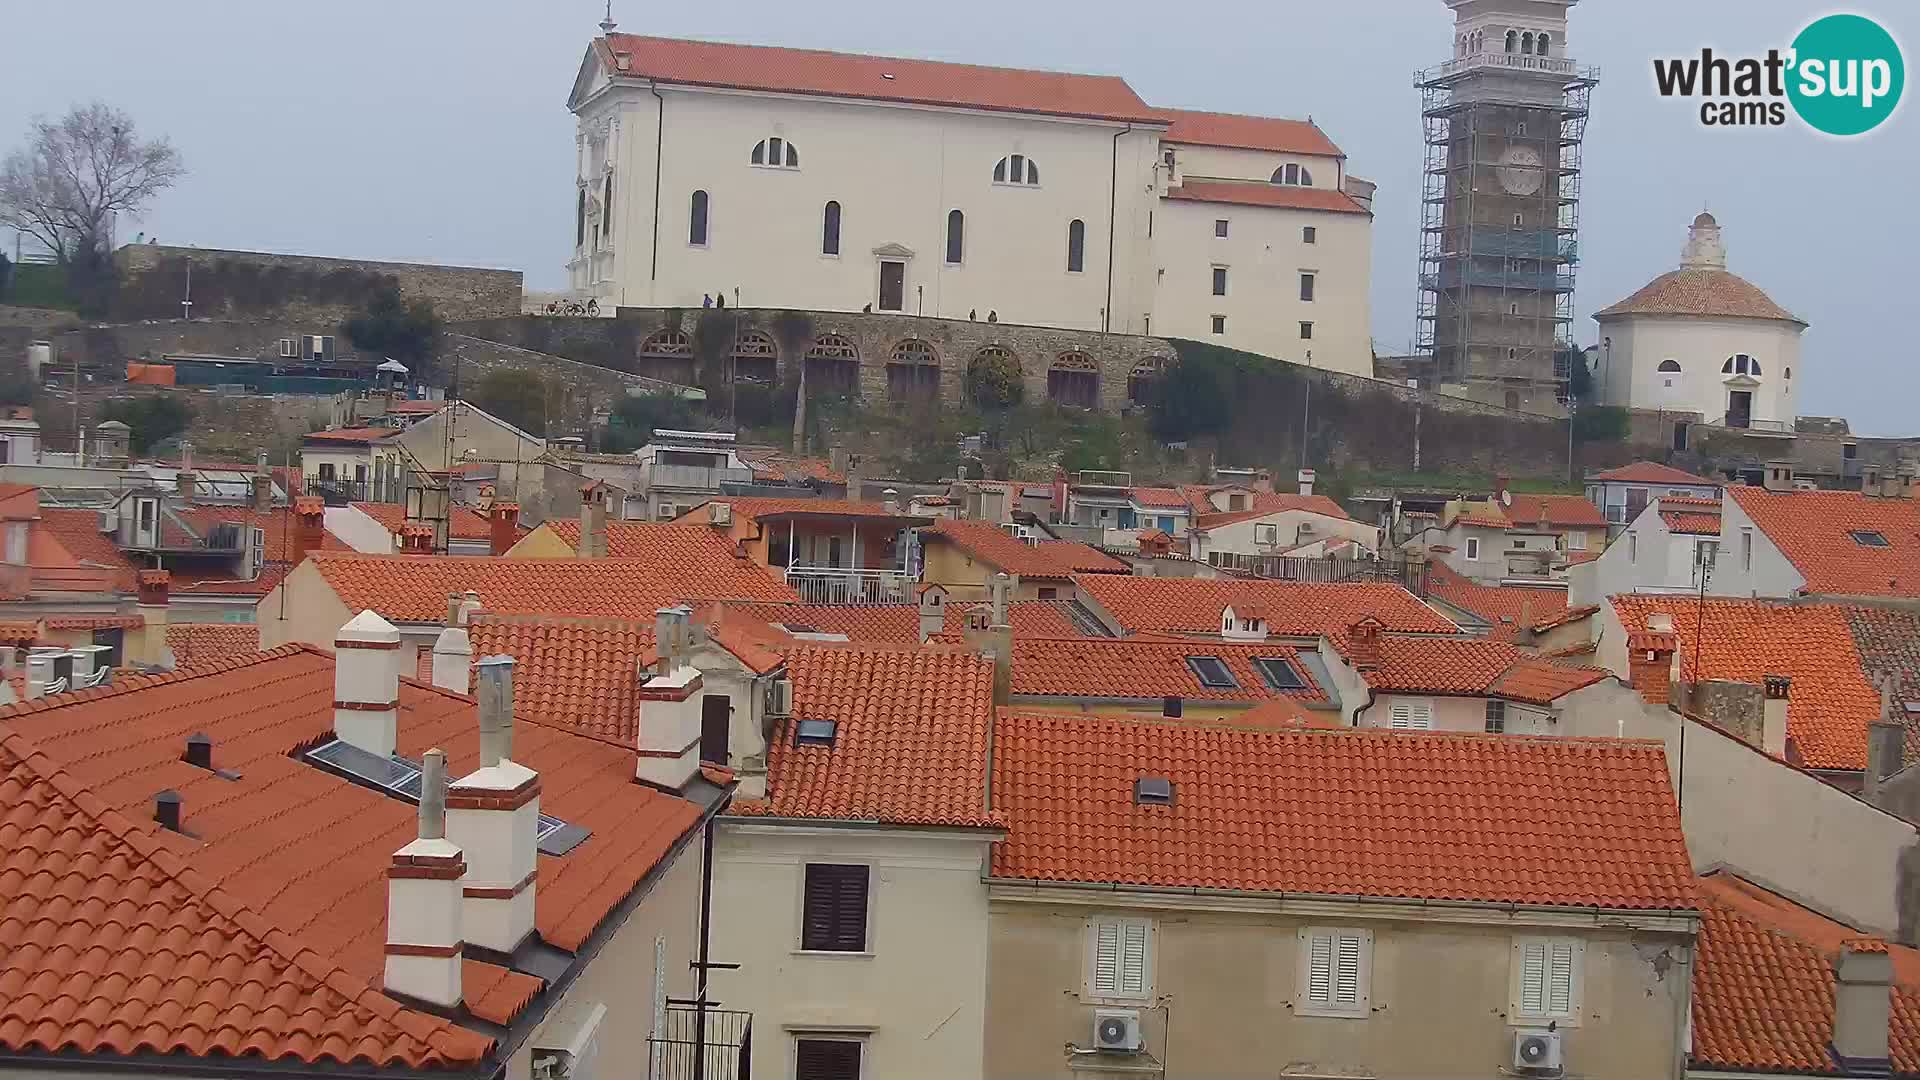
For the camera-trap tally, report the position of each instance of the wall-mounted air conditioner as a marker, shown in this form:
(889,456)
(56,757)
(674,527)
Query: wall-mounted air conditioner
(720,513)
(1117,1031)
(1536,1051)
(780,697)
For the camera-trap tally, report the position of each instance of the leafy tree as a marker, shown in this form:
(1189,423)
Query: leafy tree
(1600,423)
(635,417)
(1579,378)
(994,383)
(151,419)
(518,396)
(64,186)
(393,328)
(6,276)
(1194,397)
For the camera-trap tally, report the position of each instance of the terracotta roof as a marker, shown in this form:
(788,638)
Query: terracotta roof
(1471,817)
(889,624)
(1247,133)
(414,588)
(1002,550)
(1502,606)
(1830,703)
(1888,640)
(1695,517)
(582,673)
(910,739)
(1559,510)
(68,538)
(15,632)
(1159,497)
(1205,522)
(1651,472)
(1262,502)
(1474,667)
(1482,514)
(1261,193)
(1813,530)
(879,78)
(1282,714)
(201,643)
(755,508)
(462,522)
(1700,292)
(1118,668)
(132,621)
(298,856)
(1029,618)
(1763,985)
(353,435)
(1300,609)
(789,467)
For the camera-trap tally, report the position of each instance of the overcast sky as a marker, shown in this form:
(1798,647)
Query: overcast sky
(437,131)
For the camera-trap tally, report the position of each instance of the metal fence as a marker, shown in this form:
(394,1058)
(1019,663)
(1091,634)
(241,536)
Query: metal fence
(679,1050)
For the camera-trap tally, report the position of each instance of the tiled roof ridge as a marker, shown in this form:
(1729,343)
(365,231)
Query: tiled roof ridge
(1597,742)
(858,55)
(597,622)
(127,683)
(307,960)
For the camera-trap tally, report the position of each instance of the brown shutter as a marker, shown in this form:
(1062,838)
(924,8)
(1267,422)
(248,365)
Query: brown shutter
(835,915)
(826,1059)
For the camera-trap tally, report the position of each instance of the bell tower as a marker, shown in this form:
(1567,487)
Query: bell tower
(1500,215)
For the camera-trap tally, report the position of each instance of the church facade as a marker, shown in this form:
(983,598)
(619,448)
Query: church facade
(783,178)
(1704,340)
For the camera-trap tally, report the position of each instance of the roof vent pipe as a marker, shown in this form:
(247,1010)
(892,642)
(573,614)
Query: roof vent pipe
(200,750)
(166,810)
(495,676)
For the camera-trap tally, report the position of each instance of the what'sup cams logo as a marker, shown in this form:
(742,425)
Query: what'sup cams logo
(1842,76)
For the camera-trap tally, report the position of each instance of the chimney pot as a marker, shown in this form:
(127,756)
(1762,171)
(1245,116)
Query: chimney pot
(200,750)
(890,500)
(262,494)
(366,684)
(183,485)
(433,795)
(166,810)
(426,912)
(1306,481)
(495,676)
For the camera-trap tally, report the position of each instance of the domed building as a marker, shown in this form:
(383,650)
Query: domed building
(1701,339)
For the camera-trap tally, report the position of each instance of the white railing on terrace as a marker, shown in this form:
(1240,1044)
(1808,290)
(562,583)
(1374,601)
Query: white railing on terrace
(696,477)
(1552,65)
(841,585)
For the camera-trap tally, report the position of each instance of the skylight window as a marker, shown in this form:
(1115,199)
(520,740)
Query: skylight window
(813,733)
(1212,673)
(1153,791)
(400,778)
(1279,674)
(1869,538)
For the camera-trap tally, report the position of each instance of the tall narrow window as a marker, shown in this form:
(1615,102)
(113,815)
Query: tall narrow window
(1219,281)
(1526,44)
(1540,44)
(1306,286)
(830,229)
(580,217)
(1076,246)
(606,206)
(1513,40)
(956,237)
(697,220)
(1309,235)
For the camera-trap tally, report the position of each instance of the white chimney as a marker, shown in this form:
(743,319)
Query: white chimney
(453,660)
(366,684)
(669,741)
(493,813)
(1862,1007)
(1306,481)
(890,500)
(424,942)
(1773,714)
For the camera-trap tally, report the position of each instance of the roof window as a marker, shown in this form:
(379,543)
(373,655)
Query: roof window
(1279,674)
(813,733)
(1153,791)
(1869,538)
(1212,673)
(399,778)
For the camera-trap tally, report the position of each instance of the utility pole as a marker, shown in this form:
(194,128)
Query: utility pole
(186,301)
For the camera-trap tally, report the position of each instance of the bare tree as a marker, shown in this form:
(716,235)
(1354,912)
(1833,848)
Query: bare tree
(63,187)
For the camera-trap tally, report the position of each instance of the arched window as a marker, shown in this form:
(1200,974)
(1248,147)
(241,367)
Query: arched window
(1672,366)
(1513,40)
(1541,44)
(1306,178)
(1526,44)
(830,229)
(580,218)
(1073,380)
(1293,176)
(1016,169)
(833,347)
(697,220)
(833,365)
(1076,246)
(956,237)
(755,358)
(775,153)
(667,343)
(668,354)
(1741,364)
(1141,380)
(913,371)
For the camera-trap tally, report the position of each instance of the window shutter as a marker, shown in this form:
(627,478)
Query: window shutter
(1560,979)
(1106,958)
(1533,978)
(1133,958)
(1320,969)
(1412,715)
(835,915)
(826,1059)
(1346,970)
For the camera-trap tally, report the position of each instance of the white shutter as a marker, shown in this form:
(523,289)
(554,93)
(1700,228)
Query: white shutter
(1533,978)
(1133,958)
(1412,715)
(1560,979)
(1402,716)
(1320,969)
(1346,970)
(1106,958)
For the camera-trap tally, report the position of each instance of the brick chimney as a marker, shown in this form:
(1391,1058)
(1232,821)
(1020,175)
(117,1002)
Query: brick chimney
(309,526)
(416,538)
(669,739)
(503,526)
(366,684)
(1862,1007)
(453,650)
(1501,485)
(424,940)
(1650,663)
(184,484)
(593,521)
(493,813)
(1363,644)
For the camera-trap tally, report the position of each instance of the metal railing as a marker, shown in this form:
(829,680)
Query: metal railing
(1747,423)
(1552,65)
(842,585)
(694,477)
(724,1053)
(337,492)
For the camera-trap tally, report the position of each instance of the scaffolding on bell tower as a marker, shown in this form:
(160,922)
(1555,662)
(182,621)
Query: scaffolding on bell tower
(1500,220)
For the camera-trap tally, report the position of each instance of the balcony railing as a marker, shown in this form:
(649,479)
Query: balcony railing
(840,585)
(693,477)
(714,1046)
(1551,65)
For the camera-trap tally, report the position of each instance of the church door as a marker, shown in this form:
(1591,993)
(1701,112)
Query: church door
(1739,408)
(893,285)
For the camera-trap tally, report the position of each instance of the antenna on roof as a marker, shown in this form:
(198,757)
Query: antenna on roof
(607,24)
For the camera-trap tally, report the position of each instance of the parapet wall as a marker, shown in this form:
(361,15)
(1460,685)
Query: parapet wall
(238,284)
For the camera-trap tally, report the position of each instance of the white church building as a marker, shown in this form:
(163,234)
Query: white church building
(811,180)
(1701,339)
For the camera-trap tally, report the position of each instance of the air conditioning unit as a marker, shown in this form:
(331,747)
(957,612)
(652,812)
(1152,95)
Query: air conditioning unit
(720,513)
(1536,1051)
(666,512)
(780,697)
(289,348)
(1117,1031)
(109,520)
(569,1043)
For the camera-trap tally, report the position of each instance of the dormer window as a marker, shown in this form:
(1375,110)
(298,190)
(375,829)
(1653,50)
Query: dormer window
(1293,175)
(775,153)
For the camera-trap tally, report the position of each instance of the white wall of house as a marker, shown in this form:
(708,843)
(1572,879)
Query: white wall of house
(1750,564)
(917,995)
(359,531)
(1611,496)
(1447,713)
(314,461)
(1272,534)
(1647,557)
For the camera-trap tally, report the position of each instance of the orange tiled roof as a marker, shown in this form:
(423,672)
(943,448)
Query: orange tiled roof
(130,621)
(892,624)
(1120,668)
(582,673)
(1483,514)
(462,523)
(1888,640)
(1572,511)
(1695,517)
(301,854)
(1047,559)
(1651,472)
(353,435)
(1502,606)
(1159,497)
(16,632)
(1474,667)
(1263,502)
(789,467)
(1300,609)
(880,78)
(414,588)
(754,508)
(1029,618)
(1247,133)
(1261,193)
(1830,703)
(1700,292)
(910,746)
(1471,817)
(201,643)
(1812,529)
(1283,714)
(69,538)
(1763,985)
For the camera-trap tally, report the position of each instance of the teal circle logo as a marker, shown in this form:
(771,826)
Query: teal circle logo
(1847,75)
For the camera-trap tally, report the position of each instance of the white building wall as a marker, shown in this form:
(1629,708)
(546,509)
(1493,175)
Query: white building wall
(1701,345)
(918,994)
(1233,163)
(1241,537)
(1766,573)
(358,531)
(1449,713)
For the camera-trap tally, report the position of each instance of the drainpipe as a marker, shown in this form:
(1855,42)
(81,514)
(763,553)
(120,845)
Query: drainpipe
(1113,199)
(659,141)
(706,930)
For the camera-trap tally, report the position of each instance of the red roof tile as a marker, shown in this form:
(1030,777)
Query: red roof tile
(304,852)
(1482,514)
(14,632)
(1474,667)
(1159,497)
(132,621)
(1262,502)
(788,467)
(69,538)
(1248,133)
(1282,714)
(1700,292)
(1763,985)
(1830,703)
(462,522)
(582,673)
(880,78)
(1300,609)
(360,435)
(1119,668)
(1504,607)
(414,588)
(1560,511)
(1344,813)
(1005,552)
(1691,516)
(1813,530)
(1260,193)
(910,744)
(194,644)
(889,624)
(1651,472)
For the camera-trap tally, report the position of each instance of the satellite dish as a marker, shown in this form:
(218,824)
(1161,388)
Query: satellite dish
(1506,498)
